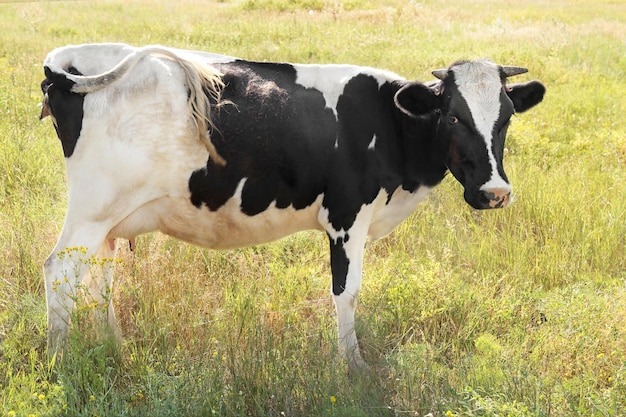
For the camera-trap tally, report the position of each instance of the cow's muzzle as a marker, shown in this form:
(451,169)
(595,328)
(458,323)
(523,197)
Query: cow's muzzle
(497,197)
(489,198)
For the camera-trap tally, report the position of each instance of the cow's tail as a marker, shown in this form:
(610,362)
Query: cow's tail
(205,85)
(204,82)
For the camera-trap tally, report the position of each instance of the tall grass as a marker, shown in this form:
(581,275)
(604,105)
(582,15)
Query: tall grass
(518,312)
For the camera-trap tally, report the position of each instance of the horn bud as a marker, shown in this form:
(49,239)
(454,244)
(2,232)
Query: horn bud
(510,71)
(440,73)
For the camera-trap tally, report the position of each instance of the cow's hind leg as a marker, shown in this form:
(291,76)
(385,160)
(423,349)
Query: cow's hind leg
(98,283)
(64,271)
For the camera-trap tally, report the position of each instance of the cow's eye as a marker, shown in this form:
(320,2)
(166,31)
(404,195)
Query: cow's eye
(453,120)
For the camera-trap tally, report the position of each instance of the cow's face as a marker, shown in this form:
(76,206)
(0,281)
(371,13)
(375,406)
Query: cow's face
(473,106)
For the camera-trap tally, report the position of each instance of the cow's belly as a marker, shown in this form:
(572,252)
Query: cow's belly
(225,228)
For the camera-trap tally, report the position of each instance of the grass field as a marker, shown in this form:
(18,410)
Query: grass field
(517,312)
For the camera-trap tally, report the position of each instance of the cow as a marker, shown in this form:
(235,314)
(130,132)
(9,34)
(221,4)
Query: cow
(223,152)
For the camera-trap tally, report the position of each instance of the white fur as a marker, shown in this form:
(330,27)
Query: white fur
(388,216)
(480,85)
(372,144)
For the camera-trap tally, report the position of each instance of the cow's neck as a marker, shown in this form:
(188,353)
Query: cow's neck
(423,157)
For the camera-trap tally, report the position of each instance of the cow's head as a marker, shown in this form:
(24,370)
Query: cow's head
(473,106)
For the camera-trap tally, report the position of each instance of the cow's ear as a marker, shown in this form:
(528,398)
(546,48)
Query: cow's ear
(416,99)
(526,95)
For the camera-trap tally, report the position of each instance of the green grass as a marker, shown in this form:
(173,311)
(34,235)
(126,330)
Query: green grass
(518,312)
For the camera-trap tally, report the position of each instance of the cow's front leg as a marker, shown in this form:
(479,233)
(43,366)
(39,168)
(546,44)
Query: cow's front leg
(346,260)
(64,271)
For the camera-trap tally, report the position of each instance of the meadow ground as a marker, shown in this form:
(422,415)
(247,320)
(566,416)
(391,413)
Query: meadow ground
(517,312)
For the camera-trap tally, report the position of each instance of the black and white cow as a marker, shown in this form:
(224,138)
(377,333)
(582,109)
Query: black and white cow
(223,153)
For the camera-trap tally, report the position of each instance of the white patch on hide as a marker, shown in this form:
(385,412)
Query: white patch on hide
(480,85)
